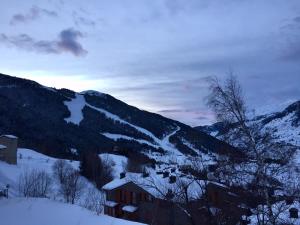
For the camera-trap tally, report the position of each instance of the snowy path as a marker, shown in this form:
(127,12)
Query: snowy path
(116,137)
(167,145)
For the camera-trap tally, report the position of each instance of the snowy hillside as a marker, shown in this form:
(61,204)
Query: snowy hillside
(66,124)
(27,159)
(285,125)
(39,211)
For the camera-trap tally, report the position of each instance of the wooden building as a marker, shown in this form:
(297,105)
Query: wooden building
(135,198)
(8,148)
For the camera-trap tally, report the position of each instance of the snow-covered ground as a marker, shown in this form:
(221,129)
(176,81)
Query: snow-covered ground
(36,211)
(281,210)
(27,159)
(284,130)
(39,211)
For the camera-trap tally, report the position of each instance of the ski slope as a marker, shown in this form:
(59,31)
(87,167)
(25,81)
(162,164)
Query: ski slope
(76,105)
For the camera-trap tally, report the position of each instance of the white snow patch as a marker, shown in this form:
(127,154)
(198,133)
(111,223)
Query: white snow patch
(115,184)
(129,208)
(75,106)
(74,151)
(39,211)
(9,136)
(111,203)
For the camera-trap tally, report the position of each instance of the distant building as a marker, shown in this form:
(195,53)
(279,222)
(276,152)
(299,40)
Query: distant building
(8,148)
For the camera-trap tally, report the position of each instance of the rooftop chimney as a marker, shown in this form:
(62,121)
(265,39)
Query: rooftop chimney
(293,213)
(122,175)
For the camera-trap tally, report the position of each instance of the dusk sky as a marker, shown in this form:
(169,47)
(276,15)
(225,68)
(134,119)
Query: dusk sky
(156,54)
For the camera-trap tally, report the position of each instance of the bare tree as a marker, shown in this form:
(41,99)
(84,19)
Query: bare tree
(61,169)
(35,183)
(266,159)
(94,200)
(107,170)
(95,169)
(72,186)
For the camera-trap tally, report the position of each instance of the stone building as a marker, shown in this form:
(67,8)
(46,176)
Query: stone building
(8,148)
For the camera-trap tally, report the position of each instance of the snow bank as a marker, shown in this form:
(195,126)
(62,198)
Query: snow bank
(39,211)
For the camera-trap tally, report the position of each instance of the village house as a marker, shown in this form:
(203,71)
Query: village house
(150,200)
(144,199)
(8,148)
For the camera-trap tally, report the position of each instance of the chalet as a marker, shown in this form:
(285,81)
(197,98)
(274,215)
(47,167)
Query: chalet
(155,200)
(8,148)
(144,199)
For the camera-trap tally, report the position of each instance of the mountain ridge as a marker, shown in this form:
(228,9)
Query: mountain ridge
(284,124)
(43,118)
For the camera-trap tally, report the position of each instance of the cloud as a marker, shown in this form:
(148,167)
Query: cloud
(67,42)
(297,19)
(292,39)
(175,7)
(80,20)
(34,13)
(195,115)
(203,118)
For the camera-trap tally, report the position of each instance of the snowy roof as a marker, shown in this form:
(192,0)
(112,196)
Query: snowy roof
(9,136)
(156,185)
(129,208)
(111,203)
(2,147)
(115,184)
(218,184)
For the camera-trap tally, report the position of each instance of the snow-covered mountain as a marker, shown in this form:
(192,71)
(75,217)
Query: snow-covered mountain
(285,125)
(63,123)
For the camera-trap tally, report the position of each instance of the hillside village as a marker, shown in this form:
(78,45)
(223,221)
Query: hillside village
(161,184)
(149,197)
(141,174)
(150,112)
